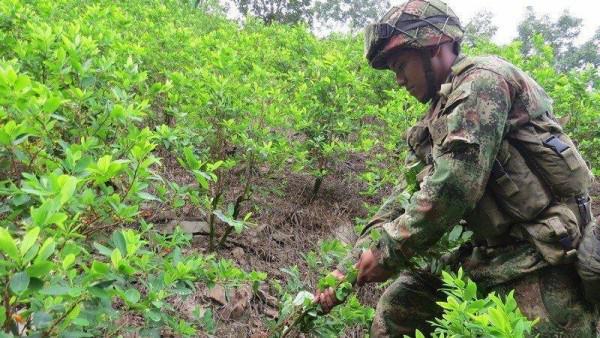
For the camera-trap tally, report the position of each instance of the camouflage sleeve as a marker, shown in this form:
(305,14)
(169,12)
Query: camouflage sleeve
(466,139)
(394,204)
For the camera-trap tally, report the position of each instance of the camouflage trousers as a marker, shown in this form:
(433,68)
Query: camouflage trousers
(552,294)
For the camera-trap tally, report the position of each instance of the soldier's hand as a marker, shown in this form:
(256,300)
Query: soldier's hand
(327,298)
(369,270)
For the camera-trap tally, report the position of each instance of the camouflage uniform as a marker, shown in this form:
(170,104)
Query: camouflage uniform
(475,147)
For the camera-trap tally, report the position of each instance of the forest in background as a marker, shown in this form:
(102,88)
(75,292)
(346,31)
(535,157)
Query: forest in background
(120,122)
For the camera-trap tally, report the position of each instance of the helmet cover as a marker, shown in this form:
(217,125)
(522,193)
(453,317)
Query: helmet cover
(415,24)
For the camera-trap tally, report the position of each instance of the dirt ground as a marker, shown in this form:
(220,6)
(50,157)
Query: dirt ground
(287,226)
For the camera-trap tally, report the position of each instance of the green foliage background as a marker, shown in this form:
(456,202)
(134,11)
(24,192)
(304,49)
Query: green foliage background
(94,94)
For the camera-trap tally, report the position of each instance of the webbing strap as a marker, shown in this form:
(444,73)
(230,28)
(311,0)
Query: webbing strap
(583,203)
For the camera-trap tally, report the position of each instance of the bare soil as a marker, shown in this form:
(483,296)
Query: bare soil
(288,224)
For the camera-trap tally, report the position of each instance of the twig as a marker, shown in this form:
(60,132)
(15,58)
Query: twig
(57,321)
(135,173)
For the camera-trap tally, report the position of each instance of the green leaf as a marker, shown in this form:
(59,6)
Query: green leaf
(46,250)
(470,290)
(29,239)
(8,245)
(68,261)
(102,249)
(132,296)
(208,322)
(40,269)
(343,290)
(302,298)
(35,284)
(148,197)
(119,242)
(153,315)
(58,218)
(2,314)
(56,290)
(235,224)
(455,233)
(41,319)
(19,282)
(31,253)
(100,268)
(68,186)
(116,258)
(52,104)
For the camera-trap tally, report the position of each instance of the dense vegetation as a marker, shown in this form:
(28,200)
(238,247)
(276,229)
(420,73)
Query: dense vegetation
(101,102)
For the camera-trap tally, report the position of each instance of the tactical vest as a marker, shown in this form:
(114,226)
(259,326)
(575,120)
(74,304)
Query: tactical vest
(538,186)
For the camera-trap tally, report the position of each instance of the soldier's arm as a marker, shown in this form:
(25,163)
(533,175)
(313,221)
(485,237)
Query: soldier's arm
(465,143)
(392,208)
(393,205)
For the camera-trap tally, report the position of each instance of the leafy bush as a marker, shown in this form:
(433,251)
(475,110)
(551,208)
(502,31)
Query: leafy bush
(467,315)
(58,285)
(297,311)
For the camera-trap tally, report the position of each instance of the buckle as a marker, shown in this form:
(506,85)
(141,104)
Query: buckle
(556,144)
(566,242)
(385,30)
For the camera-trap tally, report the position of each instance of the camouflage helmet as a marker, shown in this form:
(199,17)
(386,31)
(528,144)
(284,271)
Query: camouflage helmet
(415,24)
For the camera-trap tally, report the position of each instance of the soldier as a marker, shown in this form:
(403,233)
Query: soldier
(492,155)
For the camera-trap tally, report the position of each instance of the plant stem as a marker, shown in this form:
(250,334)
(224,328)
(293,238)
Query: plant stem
(238,202)
(58,320)
(211,222)
(6,305)
(316,188)
(135,173)
(224,237)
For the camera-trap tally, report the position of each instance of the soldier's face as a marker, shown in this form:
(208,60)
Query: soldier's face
(410,74)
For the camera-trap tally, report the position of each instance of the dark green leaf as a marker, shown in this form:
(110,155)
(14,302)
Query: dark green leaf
(102,249)
(153,315)
(41,320)
(132,296)
(19,282)
(119,241)
(46,250)
(56,290)
(40,269)
(35,284)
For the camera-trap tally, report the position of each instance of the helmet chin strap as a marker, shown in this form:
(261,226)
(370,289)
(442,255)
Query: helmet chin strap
(429,75)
